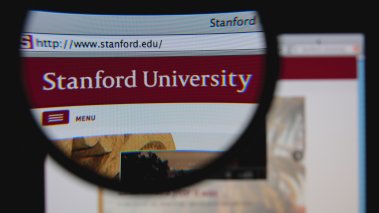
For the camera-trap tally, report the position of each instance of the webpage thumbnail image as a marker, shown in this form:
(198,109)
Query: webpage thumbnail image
(155,156)
(282,191)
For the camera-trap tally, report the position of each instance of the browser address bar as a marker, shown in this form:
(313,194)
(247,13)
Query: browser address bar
(59,43)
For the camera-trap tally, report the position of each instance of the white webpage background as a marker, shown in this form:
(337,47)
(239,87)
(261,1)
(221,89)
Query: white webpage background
(331,113)
(198,126)
(331,156)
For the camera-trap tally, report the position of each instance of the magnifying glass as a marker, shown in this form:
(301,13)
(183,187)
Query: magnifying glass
(146,100)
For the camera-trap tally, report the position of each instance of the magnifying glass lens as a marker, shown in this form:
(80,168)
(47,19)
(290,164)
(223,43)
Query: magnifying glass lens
(143,98)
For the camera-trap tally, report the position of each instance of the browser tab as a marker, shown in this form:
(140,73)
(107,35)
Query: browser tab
(248,22)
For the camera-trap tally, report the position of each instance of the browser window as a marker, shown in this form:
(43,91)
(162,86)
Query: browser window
(315,145)
(328,71)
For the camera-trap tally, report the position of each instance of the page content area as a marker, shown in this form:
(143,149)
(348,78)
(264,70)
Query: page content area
(313,131)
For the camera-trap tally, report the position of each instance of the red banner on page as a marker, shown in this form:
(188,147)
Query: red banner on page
(319,68)
(52,82)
